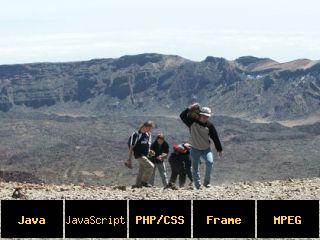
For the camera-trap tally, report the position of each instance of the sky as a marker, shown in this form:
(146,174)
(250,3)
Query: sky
(76,30)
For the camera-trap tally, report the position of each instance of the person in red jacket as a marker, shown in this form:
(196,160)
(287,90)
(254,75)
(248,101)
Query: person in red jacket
(178,160)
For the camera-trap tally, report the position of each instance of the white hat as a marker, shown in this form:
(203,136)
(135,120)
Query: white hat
(205,111)
(187,145)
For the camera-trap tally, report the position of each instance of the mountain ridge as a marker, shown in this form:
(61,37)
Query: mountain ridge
(248,86)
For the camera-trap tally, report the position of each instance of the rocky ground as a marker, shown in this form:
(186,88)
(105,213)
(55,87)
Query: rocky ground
(54,149)
(278,189)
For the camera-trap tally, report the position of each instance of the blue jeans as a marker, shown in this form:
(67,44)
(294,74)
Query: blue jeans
(163,173)
(207,155)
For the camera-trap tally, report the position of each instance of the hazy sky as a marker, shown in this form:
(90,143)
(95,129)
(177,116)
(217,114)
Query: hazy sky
(68,30)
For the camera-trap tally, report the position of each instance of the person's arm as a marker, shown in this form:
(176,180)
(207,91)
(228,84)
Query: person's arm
(188,120)
(153,146)
(128,163)
(166,148)
(184,115)
(162,156)
(165,151)
(152,150)
(214,136)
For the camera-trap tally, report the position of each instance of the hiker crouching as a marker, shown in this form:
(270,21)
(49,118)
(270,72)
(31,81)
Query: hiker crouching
(139,145)
(180,165)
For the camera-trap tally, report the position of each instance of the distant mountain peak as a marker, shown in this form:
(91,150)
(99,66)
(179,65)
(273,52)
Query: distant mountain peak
(248,60)
(144,58)
(214,59)
(250,63)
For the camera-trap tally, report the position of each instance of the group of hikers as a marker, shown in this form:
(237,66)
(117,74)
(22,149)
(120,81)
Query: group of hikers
(185,158)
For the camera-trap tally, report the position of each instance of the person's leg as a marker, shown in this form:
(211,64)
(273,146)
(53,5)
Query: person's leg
(163,173)
(182,175)
(174,174)
(208,156)
(138,179)
(153,175)
(195,160)
(146,169)
(188,169)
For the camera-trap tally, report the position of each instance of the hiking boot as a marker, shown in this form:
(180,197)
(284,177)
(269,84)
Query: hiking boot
(171,186)
(190,186)
(208,185)
(145,184)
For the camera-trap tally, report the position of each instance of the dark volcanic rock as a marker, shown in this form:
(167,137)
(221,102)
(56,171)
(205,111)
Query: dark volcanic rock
(310,128)
(248,60)
(18,176)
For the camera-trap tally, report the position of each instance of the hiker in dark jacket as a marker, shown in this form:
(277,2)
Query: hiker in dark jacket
(161,150)
(139,146)
(201,131)
(177,160)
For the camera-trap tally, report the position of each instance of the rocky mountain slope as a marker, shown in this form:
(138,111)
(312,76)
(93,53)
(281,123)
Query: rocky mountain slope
(153,83)
(92,149)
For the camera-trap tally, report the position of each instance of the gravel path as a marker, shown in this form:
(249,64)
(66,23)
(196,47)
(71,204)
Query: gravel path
(280,189)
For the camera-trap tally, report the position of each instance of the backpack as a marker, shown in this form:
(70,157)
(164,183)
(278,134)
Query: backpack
(136,140)
(179,148)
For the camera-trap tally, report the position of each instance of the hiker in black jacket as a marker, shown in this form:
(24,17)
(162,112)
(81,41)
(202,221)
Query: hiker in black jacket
(201,131)
(161,150)
(139,145)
